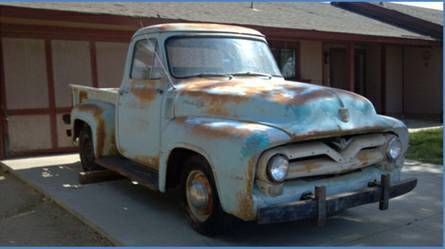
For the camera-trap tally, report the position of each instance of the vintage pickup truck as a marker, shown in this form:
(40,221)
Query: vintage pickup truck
(203,109)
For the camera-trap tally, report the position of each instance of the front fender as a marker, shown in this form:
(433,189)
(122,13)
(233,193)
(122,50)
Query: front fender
(399,128)
(99,116)
(231,148)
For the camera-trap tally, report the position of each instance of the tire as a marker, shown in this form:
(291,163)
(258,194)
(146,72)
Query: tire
(86,148)
(205,215)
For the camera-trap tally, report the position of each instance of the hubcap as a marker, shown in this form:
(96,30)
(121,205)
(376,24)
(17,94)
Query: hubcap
(199,195)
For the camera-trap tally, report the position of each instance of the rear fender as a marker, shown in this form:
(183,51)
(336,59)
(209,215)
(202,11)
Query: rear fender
(99,116)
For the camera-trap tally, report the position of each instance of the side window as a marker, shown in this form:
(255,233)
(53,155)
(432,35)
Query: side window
(145,63)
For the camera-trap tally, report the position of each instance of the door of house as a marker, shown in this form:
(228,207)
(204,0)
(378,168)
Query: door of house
(338,68)
(360,71)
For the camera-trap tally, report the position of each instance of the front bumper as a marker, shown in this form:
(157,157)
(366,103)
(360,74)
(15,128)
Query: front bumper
(321,206)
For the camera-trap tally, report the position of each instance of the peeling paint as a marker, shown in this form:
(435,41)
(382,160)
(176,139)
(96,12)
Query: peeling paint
(83,95)
(100,129)
(152,162)
(143,90)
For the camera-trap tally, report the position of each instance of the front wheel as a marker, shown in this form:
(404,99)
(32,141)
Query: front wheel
(86,148)
(202,206)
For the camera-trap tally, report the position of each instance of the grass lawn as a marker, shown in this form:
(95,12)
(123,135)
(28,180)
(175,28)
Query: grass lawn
(426,146)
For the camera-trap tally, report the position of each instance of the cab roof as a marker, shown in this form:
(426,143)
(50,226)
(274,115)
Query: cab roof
(197,27)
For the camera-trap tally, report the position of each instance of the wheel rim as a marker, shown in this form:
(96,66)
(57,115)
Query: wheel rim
(199,195)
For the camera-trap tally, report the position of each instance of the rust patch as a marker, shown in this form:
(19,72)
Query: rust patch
(363,158)
(309,166)
(215,100)
(245,209)
(83,95)
(113,147)
(216,93)
(100,135)
(245,202)
(144,95)
(100,127)
(150,161)
(144,90)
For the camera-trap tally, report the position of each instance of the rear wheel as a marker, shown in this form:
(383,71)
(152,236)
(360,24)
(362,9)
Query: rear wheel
(86,148)
(202,206)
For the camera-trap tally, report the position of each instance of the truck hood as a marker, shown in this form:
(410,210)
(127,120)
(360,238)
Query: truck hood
(299,109)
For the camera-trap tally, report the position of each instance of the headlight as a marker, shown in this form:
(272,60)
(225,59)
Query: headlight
(277,168)
(394,148)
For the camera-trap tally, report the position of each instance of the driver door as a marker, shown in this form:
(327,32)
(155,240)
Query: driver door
(139,106)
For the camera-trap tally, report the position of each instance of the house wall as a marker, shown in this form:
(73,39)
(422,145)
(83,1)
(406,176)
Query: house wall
(37,74)
(25,73)
(423,77)
(38,63)
(71,65)
(110,63)
(25,76)
(311,61)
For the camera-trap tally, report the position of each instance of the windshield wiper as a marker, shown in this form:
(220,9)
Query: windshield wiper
(253,74)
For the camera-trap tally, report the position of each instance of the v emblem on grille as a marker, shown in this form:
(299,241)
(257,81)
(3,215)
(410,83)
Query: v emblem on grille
(341,143)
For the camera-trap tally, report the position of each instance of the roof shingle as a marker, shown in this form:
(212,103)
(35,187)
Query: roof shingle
(293,15)
(430,15)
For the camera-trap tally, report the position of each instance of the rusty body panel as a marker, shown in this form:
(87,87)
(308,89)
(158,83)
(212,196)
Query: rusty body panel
(237,124)
(99,116)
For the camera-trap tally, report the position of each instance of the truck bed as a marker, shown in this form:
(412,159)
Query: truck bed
(83,93)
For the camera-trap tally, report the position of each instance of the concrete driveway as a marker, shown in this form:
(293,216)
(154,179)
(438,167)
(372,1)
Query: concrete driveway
(129,214)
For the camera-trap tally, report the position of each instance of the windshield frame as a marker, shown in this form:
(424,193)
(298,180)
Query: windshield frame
(213,36)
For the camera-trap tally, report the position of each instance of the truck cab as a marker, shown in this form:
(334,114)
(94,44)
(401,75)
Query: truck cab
(204,108)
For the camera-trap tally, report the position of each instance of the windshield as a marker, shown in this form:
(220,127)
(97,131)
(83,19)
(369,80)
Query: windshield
(219,56)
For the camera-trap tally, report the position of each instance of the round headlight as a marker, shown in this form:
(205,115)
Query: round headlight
(394,148)
(277,168)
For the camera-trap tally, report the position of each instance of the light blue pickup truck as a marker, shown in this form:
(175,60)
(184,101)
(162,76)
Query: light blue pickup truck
(204,109)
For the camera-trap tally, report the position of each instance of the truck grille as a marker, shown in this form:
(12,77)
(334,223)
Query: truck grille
(328,156)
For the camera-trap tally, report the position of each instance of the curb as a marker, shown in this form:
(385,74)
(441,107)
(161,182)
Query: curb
(5,168)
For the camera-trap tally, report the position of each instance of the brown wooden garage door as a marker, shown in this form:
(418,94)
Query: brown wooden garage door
(35,93)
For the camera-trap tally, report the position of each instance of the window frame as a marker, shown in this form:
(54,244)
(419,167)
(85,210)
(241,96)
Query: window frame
(296,45)
(156,49)
(208,36)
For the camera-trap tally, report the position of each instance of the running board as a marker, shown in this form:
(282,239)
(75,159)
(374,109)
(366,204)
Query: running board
(132,170)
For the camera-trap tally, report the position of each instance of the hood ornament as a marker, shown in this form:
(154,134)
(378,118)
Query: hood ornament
(343,113)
